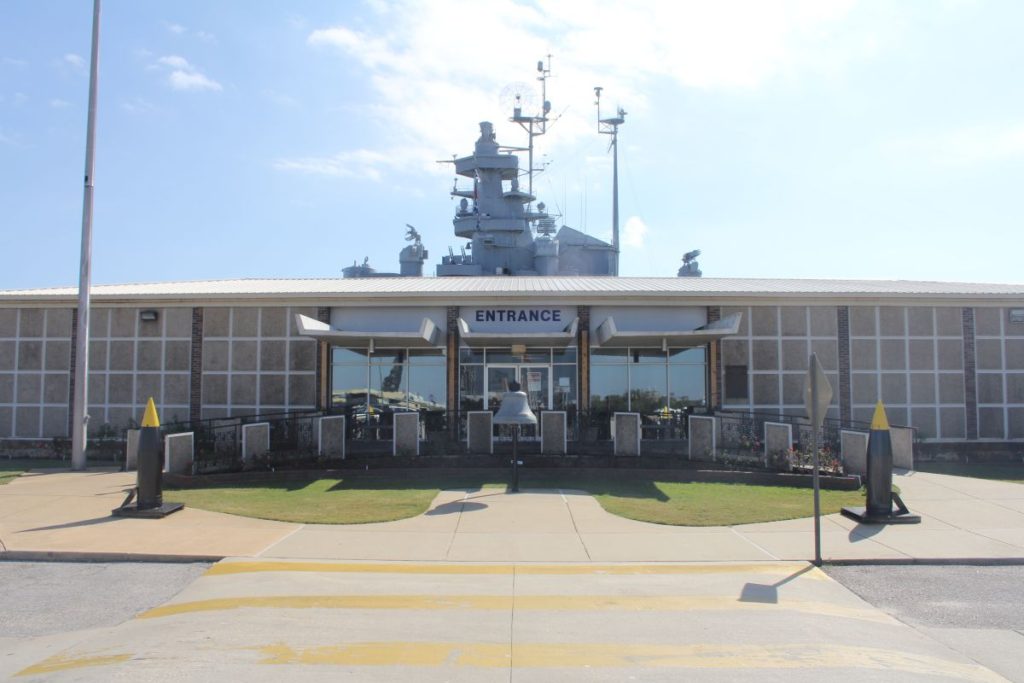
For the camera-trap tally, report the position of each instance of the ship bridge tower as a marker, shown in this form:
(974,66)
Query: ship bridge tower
(493,214)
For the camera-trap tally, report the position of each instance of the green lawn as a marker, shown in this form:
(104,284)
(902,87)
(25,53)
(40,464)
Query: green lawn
(359,500)
(14,468)
(1003,471)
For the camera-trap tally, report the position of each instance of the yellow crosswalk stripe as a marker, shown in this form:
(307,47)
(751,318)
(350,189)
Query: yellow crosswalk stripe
(562,603)
(766,568)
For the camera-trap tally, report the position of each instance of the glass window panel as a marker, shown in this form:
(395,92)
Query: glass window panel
(468,355)
(426,356)
(427,387)
(609,388)
(387,356)
(342,355)
(691,355)
(537,355)
(647,356)
(604,356)
(647,388)
(687,385)
(564,394)
(388,385)
(502,355)
(566,355)
(471,387)
(348,385)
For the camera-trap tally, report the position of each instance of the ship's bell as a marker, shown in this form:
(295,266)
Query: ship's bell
(515,410)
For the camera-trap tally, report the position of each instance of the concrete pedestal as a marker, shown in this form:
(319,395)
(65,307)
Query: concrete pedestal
(406,440)
(480,432)
(553,433)
(627,434)
(330,437)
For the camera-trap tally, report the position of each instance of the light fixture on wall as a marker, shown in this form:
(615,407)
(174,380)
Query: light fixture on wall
(148,315)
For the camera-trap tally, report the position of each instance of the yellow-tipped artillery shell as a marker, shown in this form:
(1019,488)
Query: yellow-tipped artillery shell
(150,419)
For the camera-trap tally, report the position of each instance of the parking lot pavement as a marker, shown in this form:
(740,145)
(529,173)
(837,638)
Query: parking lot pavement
(293,620)
(975,610)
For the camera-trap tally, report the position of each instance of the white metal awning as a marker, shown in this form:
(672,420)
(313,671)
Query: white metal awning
(565,337)
(610,335)
(428,336)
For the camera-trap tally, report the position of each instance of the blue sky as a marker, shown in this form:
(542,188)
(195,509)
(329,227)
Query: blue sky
(263,139)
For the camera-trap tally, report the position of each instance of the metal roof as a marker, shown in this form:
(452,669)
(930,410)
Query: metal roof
(606,287)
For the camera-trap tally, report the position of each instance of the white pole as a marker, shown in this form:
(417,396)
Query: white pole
(79,419)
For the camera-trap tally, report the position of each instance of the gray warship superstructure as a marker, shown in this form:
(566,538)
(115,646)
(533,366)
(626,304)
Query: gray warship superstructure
(507,233)
(495,214)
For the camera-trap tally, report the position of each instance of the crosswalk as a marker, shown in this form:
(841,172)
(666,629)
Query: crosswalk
(380,621)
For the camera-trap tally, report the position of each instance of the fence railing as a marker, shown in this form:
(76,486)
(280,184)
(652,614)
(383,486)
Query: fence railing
(293,436)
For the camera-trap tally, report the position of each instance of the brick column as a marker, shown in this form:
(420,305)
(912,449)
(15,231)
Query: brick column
(452,367)
(323,364)
(970,375)
(583,359)
(843,341)
(714,370)
(195,394)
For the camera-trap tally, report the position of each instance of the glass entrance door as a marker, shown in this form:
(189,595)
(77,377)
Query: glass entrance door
(534,380)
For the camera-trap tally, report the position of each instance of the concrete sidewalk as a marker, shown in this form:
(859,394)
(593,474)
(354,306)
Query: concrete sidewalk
(962,519)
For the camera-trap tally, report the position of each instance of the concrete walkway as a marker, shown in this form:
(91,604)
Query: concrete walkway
(70,513)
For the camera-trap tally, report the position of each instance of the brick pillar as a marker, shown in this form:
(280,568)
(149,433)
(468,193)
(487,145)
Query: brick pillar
(970,375)
(845,396)
(452,367)
(714,370)
(71,381)
(195,394)
(323,364)
(583,358)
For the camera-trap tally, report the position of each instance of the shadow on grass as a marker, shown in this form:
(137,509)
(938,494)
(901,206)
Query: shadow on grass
(286,486)
(613,484)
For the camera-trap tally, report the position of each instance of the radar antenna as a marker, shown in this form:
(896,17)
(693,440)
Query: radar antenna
(610,126)
(536,124)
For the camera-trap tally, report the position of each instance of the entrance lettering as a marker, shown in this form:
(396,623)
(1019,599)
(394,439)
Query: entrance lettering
(500,315)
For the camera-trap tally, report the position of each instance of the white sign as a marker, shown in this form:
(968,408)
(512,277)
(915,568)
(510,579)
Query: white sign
(533,381)
(817,392)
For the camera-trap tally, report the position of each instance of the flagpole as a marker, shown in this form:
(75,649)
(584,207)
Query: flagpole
(79,418)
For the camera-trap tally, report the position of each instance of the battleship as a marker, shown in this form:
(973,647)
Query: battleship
(509,232)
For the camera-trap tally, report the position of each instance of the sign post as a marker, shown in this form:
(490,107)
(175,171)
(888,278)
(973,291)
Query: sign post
(817,396)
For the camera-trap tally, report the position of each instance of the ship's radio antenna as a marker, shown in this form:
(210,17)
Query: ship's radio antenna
(610,126)
(536,124)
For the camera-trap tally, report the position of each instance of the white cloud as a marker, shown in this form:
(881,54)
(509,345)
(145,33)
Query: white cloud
(634,233)
(964,147)
(11,61)
(176,29)
(76,62)
(138,106)
(192,80)
(436,72)
(58,103)
(185,76)
(360,163)
(206,37)
(175,62)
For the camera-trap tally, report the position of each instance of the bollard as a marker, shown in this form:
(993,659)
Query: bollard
(880,495)
(149,478)
(150,463)
(879,484)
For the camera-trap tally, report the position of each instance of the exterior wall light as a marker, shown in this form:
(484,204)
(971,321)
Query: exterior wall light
(148,315)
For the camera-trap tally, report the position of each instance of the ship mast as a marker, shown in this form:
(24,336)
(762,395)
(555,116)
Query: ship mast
(610,126)
(535,126)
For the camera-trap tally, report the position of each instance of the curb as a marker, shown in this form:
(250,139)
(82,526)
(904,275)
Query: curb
(934,562)
(77,556)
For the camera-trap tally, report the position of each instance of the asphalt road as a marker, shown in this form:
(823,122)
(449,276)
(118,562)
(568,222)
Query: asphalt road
(950,596)
(42,598)
(976,610)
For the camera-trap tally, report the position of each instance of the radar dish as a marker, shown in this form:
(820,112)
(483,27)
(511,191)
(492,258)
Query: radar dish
(521,95)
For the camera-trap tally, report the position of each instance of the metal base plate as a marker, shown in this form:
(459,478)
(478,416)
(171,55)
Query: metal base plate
(861,515)
(147,513)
